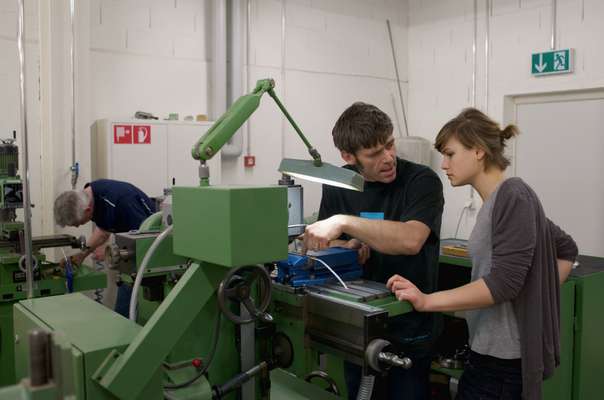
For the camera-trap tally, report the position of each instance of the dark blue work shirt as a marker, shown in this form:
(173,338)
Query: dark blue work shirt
(119,206)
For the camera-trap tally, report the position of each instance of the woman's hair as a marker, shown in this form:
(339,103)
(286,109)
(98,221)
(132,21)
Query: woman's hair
(474,129)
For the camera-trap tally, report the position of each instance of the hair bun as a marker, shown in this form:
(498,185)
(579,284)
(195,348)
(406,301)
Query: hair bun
(509,132)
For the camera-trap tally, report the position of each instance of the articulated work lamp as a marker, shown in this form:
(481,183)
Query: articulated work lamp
(226,126)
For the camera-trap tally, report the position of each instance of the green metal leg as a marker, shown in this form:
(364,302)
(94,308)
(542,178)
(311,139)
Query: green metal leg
(160,334)
(7,343)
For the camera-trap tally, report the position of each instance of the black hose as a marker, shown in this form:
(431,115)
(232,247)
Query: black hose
(210,357)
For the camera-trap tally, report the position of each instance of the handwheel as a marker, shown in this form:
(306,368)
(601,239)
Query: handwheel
(237,287)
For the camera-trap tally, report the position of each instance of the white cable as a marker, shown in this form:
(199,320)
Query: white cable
(141,269)
(330,270)
(64,255)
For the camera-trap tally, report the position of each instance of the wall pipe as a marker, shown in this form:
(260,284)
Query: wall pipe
(398,79)
(75,166)
(283,85)
(554,17)
(248,80)
(24,155)
(234,147)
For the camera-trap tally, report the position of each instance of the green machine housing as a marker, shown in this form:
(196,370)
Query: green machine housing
(48,278)
(581,323)
(216,230)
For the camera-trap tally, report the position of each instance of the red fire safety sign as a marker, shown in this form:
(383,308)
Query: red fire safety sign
(122,134)
(132,134)
(142,134)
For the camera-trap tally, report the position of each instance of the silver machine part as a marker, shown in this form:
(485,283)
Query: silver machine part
(380,359)
(295,209)
(40,370)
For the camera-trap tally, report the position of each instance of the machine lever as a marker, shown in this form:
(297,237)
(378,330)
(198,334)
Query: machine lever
(218,392)
(395,360)
(262,316)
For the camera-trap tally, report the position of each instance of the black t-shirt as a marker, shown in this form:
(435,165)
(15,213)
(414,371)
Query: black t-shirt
(416,194)
(119,206)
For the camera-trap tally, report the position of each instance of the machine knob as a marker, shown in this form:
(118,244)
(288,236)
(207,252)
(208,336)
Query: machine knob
(114,256)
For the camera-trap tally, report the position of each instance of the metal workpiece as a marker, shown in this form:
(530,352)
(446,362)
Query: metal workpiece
(115,256)
(128,251)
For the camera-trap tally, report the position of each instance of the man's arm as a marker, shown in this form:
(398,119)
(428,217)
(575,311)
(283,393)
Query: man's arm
(405,236)
(98,238)
(387,237)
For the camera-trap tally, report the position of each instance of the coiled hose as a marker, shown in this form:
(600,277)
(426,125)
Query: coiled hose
(366,388)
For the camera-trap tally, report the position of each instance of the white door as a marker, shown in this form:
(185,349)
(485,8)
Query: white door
(559,154)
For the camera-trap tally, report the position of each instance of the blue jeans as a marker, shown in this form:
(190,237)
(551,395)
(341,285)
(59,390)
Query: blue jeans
(399,383)
(490,378)
(122,302)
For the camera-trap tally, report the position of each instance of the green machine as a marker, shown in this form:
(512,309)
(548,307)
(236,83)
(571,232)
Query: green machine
(49,279)
(581,324)
(212,323)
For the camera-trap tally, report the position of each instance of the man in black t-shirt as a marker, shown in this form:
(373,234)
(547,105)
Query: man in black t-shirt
(395,225)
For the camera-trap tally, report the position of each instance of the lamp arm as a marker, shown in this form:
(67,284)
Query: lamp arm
(311,150)
(227,125)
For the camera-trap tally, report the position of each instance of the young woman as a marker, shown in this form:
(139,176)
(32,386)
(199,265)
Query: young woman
(519,259)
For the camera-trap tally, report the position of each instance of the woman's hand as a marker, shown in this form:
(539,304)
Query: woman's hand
(403,289)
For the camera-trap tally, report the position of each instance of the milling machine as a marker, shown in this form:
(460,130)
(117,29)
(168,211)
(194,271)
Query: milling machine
(220,308)
(49,279)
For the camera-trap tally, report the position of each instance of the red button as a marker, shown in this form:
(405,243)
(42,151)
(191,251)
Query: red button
(196,363)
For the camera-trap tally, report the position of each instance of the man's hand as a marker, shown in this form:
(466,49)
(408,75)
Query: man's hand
(76,259)
(403,289)
(363,250)
(99,253)
(318,235)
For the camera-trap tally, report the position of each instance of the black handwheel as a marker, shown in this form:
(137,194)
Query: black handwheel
(333,387)
(237,287)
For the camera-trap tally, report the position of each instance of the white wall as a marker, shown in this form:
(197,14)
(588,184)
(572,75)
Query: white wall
(440,64)
(337,52)
(148,55)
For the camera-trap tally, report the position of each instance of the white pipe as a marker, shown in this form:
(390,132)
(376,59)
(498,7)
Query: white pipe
(553,39)
(248,80)
(141,271)
(218,80)
(75,170)
(25,172)
(486,55)
(474,58)
(283,59)
(234,147)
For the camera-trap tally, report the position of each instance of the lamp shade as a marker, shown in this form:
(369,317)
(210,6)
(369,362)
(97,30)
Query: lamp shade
(326,173)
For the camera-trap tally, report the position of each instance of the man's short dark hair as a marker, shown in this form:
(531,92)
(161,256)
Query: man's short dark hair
(361,126)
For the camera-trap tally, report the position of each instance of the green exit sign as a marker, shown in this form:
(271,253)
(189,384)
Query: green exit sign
(552,62)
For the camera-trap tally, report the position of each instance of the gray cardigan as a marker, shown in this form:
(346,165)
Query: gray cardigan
(524,271)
